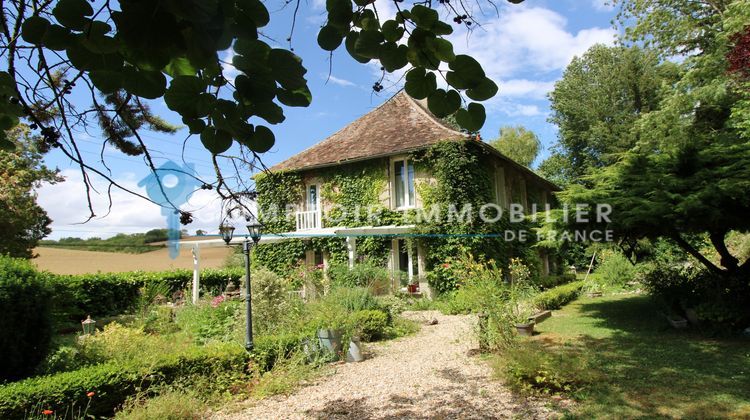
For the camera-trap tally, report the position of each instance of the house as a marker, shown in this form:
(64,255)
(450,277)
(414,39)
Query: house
(380,164)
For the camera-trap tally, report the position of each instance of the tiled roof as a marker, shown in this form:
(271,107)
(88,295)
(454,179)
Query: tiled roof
(400,124)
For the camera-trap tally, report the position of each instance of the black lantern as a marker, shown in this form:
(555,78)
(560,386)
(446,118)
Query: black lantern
(226,231)
(254,228)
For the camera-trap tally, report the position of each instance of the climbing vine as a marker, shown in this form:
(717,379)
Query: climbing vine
(460,173)
(463,174)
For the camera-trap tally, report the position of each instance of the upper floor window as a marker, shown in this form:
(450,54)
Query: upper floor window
(312,197)
(403,179)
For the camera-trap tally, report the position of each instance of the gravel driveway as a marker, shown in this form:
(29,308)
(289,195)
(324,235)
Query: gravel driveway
(431,374)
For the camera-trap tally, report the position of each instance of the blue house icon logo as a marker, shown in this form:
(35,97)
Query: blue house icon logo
(173,188)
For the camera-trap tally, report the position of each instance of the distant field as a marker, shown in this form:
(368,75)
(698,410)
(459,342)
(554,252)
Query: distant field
(68,261)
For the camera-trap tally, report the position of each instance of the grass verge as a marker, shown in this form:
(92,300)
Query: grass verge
(619,358)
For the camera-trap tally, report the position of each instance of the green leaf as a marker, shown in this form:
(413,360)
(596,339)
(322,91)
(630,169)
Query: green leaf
(254,10)
(442,28)
(269,111)
(424,17)
(367,20)
(368,43)
(262,139)
(84,59)
(33,29)
(107,81)
(57,38)
(329,38)
(339,13)
(183,96)
(143,83)
(392,56)
(442,48)
(180,66)
(419,83)
(72,13)
(95,38)
(216,141)
(287,68)
(472,118)
(485,90)
(351,41)
(466,72)
(392,31)
(442,103)
(6,144)
(195,125)
(255,88)
(299,97)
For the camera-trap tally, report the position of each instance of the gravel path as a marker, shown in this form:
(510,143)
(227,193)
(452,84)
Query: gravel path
(429,375)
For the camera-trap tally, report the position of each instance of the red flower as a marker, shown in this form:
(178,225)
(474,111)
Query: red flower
(48,412)
(446,265)
(91,394)
(217,300)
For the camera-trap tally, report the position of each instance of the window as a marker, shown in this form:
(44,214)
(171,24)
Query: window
(312,198)
(403,178)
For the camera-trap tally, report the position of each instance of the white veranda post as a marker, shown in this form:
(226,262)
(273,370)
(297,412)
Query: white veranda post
(196,272)
(351,247)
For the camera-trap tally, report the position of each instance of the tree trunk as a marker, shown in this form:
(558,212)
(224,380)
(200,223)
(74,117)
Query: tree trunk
(694,252)
(728,260)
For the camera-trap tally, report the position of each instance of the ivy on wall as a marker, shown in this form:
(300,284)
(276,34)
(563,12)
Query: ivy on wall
(276,191)
(462,173)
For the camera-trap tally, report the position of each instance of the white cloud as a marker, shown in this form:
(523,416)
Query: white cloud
(524,88)
(66,205)
(337,81)
(527,40)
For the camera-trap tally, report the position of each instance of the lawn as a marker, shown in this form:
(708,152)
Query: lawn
(644,368)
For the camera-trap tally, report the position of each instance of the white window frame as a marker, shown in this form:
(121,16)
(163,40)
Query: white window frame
(407,197)
(317,196)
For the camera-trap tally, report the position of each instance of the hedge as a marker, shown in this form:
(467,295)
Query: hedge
(558,296)
(113,383)
(26,321)
(106,294)
(552,280)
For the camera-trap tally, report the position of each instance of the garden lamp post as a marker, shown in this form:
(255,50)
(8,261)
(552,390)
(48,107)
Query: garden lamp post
(254,229)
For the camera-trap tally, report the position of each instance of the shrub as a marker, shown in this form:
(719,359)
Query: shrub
(614,269)
(211,322)
(369,324)
(558,296)
(531,368)
(352,299)
(62,359)
(271,301)
(364,274)
(26,322)
(553,280)
(271,349)
(720,303)
(106,294)
(112,382)
(170,405)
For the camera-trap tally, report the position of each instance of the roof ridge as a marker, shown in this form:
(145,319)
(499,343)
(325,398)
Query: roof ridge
(430,115)
(330,136)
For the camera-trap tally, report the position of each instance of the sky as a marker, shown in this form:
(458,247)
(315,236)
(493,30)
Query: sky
(523,48)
